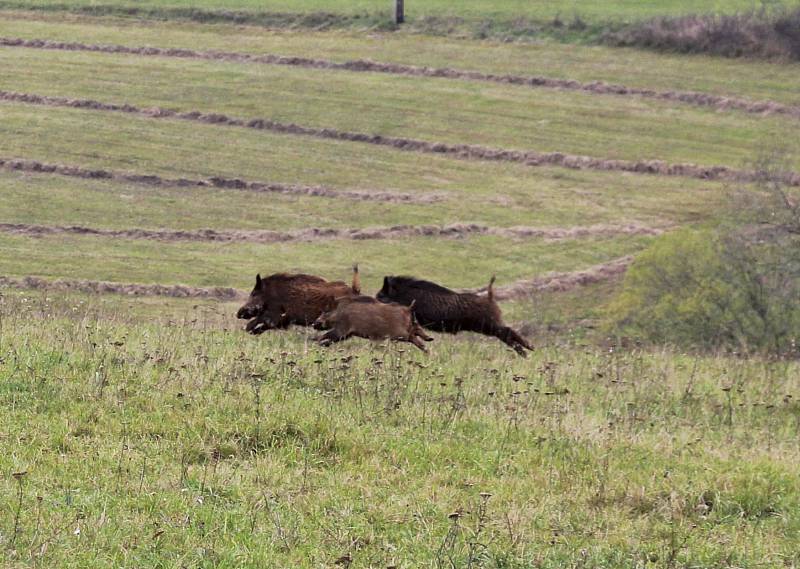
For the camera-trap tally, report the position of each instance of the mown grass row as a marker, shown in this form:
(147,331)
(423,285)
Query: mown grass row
(55,200)
(753,80)
(429,109)
(144,443)
(456,262)
(722,103)
(498,194)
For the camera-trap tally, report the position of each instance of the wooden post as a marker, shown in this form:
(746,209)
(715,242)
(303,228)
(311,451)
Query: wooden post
(399,16)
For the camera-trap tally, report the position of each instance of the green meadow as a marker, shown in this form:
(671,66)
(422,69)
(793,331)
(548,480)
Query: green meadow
(182,444)
(151,431)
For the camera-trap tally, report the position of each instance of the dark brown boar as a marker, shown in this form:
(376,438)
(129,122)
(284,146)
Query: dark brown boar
(279,300)
(366,317)
(443,310)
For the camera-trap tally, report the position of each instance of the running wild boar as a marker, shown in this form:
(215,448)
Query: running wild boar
(443,310)
(280,300)
(366,317)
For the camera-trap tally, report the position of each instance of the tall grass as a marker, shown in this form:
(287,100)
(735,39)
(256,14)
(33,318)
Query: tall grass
(187,443)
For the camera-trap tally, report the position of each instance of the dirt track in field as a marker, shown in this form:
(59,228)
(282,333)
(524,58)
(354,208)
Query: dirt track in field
(460,151)
(717,102)
(219,182)
(556,282)
(456,230)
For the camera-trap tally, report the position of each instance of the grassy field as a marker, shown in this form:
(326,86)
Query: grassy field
(754,80)
(491,115)
(469,9)
(182,445)
(470,261)
(146,431)
(55,200)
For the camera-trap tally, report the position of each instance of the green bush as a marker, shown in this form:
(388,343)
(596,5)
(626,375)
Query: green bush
(713,288)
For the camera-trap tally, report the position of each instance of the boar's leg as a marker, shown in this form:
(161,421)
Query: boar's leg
(417,342)
(512,338)
(283,320)
(330,337)
(519,339)
(419,331)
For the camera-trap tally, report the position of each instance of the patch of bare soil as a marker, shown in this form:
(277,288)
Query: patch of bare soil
(456,230)
(718,102)
(461,151)
(219,182)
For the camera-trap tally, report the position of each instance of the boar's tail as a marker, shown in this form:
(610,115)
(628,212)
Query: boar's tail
(356,286)
(490,289)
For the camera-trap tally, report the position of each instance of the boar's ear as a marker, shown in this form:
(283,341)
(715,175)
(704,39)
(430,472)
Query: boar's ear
(258,280)
(386,284)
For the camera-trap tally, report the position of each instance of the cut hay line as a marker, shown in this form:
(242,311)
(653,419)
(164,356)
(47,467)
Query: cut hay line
(316,20)
(217,182)
(129,289)
(561,282)
(556,282)
(456,230)
(459,151)
(717,102)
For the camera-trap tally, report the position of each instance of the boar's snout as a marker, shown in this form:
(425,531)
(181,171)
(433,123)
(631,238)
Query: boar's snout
(320,323)
(249,310)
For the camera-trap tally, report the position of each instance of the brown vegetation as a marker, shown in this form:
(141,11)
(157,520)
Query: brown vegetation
(560,282)
(131,289)
(217,182)
(455,230)
(754,34)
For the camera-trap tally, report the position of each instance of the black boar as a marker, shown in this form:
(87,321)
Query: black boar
(443,310)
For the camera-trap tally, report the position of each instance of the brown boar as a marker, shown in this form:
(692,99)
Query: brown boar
(366,317)
(443,310)
(280,300)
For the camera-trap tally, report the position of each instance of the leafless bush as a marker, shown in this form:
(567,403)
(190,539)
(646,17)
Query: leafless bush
(763,34)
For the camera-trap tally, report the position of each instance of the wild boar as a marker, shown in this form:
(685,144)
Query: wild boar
(280,300)
(443,310)
(366,317)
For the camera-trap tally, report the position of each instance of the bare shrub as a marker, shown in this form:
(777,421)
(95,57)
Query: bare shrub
(766,34)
